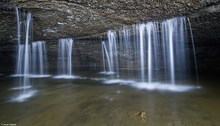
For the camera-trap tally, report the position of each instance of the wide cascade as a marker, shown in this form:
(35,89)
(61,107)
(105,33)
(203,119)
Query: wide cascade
(157,51)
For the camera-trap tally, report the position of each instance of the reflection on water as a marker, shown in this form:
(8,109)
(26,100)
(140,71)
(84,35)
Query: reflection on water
(85,102)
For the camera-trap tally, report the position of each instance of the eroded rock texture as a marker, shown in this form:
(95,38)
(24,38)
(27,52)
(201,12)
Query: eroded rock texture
(53,19)
(85,18)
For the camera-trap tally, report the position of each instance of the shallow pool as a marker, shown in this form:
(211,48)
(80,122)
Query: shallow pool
(89,102)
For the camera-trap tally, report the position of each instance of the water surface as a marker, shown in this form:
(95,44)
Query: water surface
(85,102)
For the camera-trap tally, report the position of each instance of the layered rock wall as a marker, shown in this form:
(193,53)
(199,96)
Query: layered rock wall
(86,20)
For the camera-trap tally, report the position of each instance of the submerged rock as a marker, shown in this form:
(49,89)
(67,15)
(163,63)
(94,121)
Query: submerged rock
(142,116)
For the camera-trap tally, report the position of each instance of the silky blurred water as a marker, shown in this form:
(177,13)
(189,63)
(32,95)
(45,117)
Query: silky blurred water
(87,102)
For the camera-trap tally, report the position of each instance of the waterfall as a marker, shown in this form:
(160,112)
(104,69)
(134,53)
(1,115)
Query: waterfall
(18,17)
(23,48)
(113,54)
(105,55)
(110,53)
(167,28)
(27,47)
(149,41)
(65,58)
(194,53)
(20,49)
(158,50)
(142,51)
(23,61)
(175,45)
(31,56)
(39,59)
(19,66)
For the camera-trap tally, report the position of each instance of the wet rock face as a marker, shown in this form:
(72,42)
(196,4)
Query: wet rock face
(85,18)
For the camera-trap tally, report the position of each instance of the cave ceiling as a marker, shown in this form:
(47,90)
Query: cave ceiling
(53,19)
